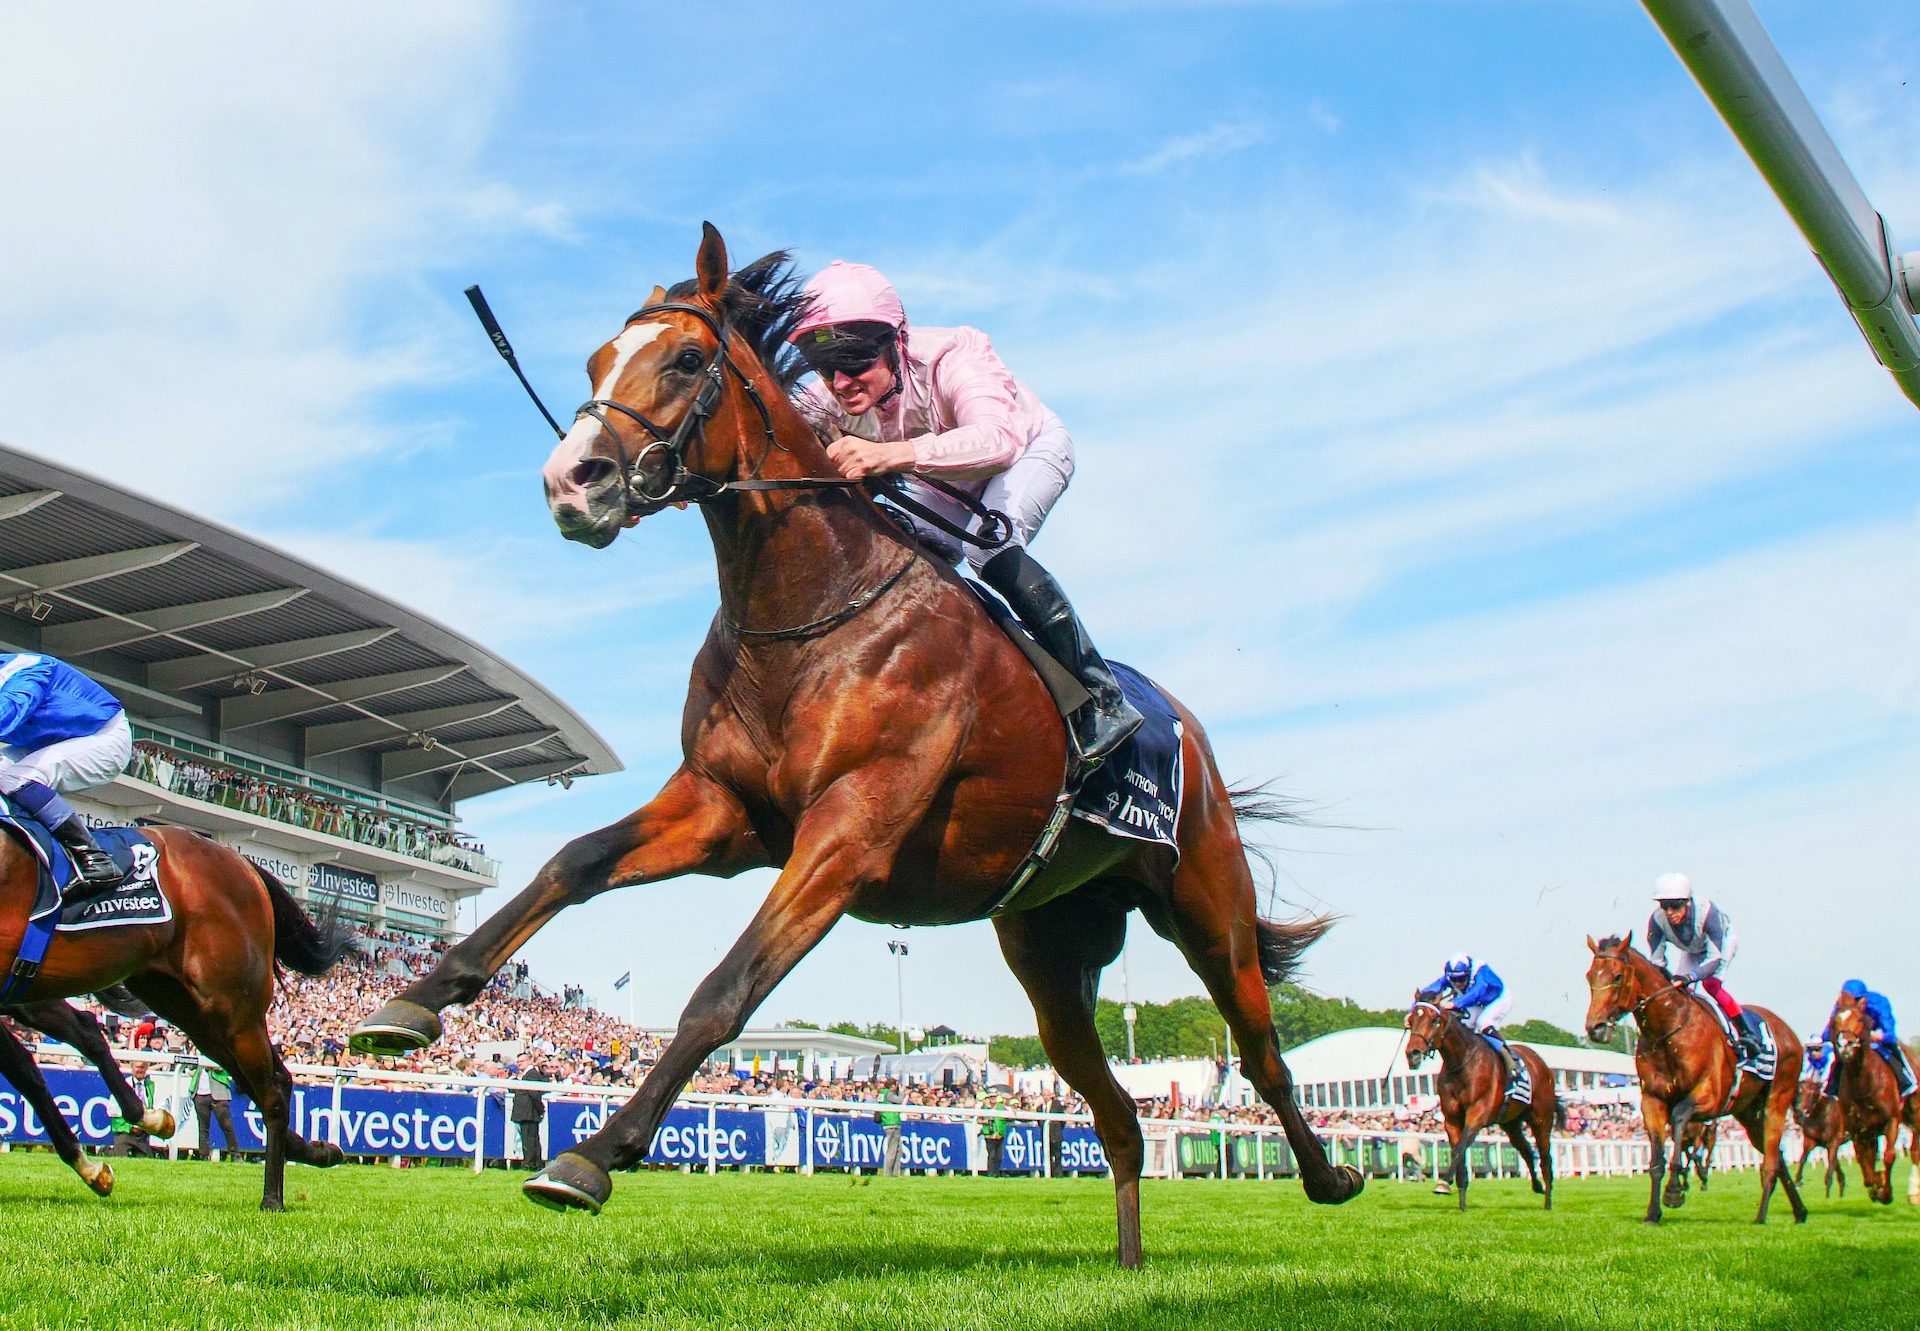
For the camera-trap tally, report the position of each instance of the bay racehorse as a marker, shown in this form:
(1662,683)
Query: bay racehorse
(1822,1128)
(859,721)
(209,970)
(1696,1148)
(1473,1094)
(81,1030)
(1870,1102)
(1687,1069)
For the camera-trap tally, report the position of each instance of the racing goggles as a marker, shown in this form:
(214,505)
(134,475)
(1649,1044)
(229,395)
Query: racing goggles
(850,349)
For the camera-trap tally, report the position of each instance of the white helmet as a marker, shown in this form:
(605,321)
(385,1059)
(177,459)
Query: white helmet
(1673,887)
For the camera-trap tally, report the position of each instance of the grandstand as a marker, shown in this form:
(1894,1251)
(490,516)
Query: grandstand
(1366,1068)
(326,732)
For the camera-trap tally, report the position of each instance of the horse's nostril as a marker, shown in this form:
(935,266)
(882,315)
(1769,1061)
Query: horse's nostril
(590,473)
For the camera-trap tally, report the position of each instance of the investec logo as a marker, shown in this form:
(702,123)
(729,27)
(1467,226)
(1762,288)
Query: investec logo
(1082,1153)
(1019,1141)
(839,1142)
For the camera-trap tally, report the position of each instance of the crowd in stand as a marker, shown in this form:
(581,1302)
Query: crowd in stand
(216,783)
(514,1027)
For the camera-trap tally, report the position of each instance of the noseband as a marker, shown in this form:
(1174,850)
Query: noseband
(683,486)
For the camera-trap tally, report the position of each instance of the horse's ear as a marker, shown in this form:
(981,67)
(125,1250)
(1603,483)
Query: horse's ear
(711,266)
(655,297)
(1592,946)
(1626,944)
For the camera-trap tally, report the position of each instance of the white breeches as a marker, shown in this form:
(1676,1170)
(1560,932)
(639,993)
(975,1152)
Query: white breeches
(70,764)
(1025,492)
(1488,1018)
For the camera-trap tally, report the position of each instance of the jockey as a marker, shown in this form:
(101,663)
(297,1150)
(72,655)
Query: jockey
(1819,1054)
(1703,941)
(60,732)
(1886,1042)
(1472,990)
(943,405)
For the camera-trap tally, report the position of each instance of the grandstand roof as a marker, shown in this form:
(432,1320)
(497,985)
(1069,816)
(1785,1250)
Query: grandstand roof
(184,617)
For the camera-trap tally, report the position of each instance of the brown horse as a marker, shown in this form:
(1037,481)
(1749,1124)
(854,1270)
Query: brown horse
(1696,1148)
(1687,1069)
(1822,1128)
(209,970)
(857,719)
(81,1030)
(1472,1086)
(1869,1095)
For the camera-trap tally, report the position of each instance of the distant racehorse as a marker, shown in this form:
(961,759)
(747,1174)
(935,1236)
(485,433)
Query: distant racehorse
(1696,1148)
(1473,1086)
(208,970)
(1822,1128)
(1688,1071)
(1870,1102)
(81,1030)
(858,720)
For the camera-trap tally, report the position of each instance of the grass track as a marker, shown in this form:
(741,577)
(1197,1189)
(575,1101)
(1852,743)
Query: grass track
(181,1245)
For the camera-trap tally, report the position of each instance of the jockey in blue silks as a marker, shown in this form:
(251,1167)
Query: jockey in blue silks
(1478,996)
(1819,1054)
(60,733)
(1886,1041)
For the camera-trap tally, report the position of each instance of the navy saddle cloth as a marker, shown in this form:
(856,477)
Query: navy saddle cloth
(138,900)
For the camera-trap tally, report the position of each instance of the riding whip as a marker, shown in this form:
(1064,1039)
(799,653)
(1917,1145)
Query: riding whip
(505,348)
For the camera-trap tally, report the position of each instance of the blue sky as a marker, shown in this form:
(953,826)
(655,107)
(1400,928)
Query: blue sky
(1522,498)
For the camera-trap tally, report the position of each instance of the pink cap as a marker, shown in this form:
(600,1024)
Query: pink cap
(850,293)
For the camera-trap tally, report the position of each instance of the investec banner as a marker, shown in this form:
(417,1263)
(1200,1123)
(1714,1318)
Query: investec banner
(734,1137)
(843,1141)
(350,884)
(419,901)
(83,1102)
(1025,1151)
(281,864)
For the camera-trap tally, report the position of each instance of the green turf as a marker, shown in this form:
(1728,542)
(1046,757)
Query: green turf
(182,1245)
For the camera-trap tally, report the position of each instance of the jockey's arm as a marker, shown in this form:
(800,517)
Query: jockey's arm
(22,689)
(1428,993)
(1880,1013)
(1722,941)
(1486,987)
(980,396)
(1657,940)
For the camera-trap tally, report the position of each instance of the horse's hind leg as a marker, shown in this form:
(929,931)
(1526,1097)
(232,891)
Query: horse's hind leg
(1211,914)
(1057,952)
(70,1025)
(18,1067)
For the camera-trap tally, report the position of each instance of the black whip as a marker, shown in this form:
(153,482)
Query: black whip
(505,348)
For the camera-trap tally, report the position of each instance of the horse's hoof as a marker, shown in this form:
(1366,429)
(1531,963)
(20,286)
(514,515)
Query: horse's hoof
(1345,1186)
(96,1174)
(159,1124)
(570,1182)
(398,1028)
(1443,1189)
(326,1155)
(273,1204)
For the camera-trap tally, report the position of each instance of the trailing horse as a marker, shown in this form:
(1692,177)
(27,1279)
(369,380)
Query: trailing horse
(1869,1096)
(209,970)
(1473,1094)
(857,719)
(1687,1069)
(1823,1126)
(81,1030)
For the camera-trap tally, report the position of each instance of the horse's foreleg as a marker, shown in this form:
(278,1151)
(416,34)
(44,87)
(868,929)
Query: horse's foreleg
(1676,1192)
(17,1066)
(814,890)
(80,1029)
(691,826)
(1654,1117)
(1463,1164)
(1057,953)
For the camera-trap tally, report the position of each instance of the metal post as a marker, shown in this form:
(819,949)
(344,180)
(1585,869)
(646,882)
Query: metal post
(899,951)
(713,1129)
(333,1124)
(479,1129)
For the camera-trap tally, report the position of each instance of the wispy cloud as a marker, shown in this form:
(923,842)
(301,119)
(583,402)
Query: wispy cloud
(1216,141)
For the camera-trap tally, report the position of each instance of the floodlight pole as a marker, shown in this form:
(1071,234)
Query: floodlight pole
(1738,67)
(899,951)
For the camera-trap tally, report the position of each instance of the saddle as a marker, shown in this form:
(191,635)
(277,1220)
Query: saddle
(1762,1066)
(62,900)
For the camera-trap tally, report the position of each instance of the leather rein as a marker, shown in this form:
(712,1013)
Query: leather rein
(684,486)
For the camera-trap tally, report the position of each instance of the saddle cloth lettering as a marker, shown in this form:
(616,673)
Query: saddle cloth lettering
(1761,1067)
(1137,792)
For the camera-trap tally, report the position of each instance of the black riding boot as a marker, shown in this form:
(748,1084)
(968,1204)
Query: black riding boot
(95,865)
(1103,724)
(1750,1039)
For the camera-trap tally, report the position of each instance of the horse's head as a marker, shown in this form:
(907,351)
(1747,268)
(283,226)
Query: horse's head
(1613,984)
(1850,1031)
(1807,1100)
(662,426)
(1426,1024)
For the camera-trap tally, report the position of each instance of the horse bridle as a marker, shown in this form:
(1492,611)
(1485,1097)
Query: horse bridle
(682,486)
(691,487)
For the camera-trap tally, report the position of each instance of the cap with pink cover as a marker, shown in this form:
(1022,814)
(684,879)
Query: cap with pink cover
(845,293)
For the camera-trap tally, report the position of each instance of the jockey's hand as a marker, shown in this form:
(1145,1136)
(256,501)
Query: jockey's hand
(856,458)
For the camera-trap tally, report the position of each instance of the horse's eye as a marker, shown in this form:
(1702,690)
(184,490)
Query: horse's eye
(687,361)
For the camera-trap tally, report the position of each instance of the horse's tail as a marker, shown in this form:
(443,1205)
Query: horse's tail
(1560,1115)
(1281,943)
(301,943)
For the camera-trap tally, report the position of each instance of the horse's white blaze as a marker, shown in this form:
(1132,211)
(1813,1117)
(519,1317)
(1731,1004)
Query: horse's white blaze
(578,443)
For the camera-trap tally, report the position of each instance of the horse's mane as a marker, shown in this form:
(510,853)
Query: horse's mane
(1611,941)
(763,302)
